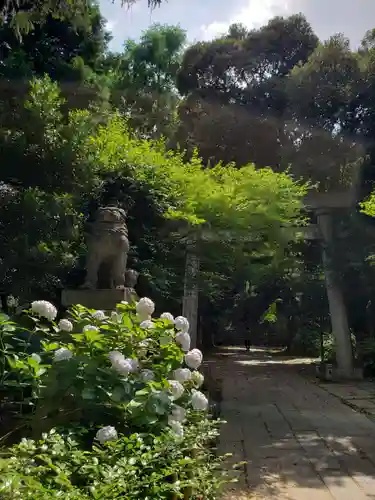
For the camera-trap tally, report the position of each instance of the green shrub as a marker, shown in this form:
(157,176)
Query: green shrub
(138,466)
(366,354)
(116,410)
(307,342)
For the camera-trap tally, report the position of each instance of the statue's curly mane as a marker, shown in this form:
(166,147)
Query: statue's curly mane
(117,224)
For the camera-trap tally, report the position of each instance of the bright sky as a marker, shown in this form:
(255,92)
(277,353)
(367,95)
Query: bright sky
(204,19)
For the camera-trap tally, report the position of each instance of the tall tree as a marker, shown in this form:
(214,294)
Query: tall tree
(248,71)
(322,90)
(24,15)
(57,48)
(145,88)
(364,111)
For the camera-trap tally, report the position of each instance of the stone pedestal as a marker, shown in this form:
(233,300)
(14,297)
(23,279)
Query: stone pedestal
(105,300)
(330,373)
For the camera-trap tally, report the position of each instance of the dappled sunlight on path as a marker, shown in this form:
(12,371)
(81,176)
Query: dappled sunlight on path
(299,441)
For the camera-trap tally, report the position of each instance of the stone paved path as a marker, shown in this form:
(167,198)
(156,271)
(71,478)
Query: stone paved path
(299,440)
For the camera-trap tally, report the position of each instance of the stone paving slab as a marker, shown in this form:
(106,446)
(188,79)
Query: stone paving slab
(299,440)
(360,397)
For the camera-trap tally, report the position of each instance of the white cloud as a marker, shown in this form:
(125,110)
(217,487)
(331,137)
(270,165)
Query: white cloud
(214,29)
(253,15)
(110,24)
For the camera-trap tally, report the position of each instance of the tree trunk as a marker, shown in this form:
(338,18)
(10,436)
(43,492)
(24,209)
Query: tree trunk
(339,320)
(190,300)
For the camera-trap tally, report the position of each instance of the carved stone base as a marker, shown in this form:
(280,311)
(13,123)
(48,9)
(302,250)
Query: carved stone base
(105,300)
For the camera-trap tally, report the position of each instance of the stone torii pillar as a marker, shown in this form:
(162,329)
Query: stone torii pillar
(323,205)
(191,290)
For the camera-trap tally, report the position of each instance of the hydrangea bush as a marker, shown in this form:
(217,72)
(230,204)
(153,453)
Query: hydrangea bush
(113,396)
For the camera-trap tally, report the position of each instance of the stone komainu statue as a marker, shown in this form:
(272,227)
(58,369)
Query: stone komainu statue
(108,247)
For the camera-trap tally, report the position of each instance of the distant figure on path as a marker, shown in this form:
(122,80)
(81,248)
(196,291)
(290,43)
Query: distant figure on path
(247,344)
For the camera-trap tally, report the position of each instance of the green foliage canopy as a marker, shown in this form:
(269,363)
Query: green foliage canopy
(73,155)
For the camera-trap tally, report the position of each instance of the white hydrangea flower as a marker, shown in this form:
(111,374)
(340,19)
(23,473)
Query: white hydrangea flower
(197,378)
(62,354)
(182,324)
(36,357)
(176,389)
(90,328)
(99,315)
(199,401)
(115,316)
(124,302)
(122,366)
(65,325)
(105,434)
(145,306)
(142,317)
(134,363)
(165,339)
(147,324)
(182,375)
(194,359)
(178,414)
(44,309)
(147,375)
(115,355)
(176,428)
(167,316)
(183,340)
